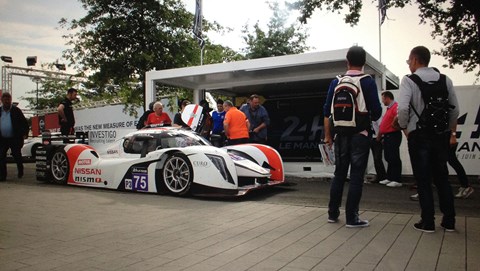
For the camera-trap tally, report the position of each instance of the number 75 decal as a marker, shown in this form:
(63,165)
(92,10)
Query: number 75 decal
(139,182)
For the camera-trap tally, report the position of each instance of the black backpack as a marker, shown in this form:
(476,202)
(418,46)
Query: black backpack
(349,111)
(434,118)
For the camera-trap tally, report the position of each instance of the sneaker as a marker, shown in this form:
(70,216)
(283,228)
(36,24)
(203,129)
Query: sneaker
(467,192)
(384,182)
(358,224)
(332,220)
(333,216)
(448,227)
(414,197)
(420,226)
(394,184)
(371,180)
(459,194)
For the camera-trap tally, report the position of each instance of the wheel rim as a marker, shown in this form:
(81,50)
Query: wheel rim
(59,166)
(176,174)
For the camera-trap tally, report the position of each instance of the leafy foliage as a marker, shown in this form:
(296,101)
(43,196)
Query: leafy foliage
(456,23)
(116,42)
(278,40)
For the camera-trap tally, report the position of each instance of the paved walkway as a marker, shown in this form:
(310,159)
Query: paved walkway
(49,227)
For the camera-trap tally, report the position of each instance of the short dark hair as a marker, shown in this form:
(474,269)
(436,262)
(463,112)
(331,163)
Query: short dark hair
(220,101)
(356,56)
(183,102)
(422,54)
(388,94)
(71,90)
(253,96)
(6,94)
(150,106)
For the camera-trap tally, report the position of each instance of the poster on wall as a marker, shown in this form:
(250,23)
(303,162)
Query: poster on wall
(468,129)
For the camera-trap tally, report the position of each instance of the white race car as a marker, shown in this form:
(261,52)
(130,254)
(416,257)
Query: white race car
(163,160)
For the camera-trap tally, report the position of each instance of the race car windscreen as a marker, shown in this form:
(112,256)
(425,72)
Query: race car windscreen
(135,143)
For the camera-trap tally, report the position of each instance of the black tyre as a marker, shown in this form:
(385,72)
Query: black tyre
(178,174)
(59,167)
(34,150)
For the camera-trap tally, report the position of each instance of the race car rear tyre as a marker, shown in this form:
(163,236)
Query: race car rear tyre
(59,167)
(33,154)
(178,174)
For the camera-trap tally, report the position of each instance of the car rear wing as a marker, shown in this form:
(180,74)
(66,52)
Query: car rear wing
(52,138)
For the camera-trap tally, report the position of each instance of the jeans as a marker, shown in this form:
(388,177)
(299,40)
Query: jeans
(429,156)
(15,145)
(453,161)
(349,151)
(391,146)
(237,141)
(377,152)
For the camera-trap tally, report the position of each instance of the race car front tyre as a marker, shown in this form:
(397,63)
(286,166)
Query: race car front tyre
(178,174)
(59,167)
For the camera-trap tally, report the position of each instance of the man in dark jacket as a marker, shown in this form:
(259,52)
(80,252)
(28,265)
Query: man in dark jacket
(13,130)
(144,117)
(65,113)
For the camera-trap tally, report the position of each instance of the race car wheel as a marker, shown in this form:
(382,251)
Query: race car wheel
(59,167)
(178,174)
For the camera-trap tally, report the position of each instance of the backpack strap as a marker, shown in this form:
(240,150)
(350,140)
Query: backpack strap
(418,81)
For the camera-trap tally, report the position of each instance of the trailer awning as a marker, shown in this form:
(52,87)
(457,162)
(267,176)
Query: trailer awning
(270,76)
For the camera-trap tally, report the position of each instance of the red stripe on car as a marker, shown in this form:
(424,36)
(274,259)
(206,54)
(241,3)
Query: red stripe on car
(192,117)
(273,160)
(73,153)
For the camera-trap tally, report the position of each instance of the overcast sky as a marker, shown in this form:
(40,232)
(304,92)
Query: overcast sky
(30,28)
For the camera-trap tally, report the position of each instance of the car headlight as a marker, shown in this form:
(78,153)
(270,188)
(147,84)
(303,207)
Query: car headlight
(220,164)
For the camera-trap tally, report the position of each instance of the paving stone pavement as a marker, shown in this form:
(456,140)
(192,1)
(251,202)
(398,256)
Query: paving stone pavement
(50,227)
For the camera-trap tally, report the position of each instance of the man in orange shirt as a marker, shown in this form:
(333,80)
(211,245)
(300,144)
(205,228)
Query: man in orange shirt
(236,125)
(158,117)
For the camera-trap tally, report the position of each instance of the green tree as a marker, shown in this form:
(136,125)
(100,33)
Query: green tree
(116,42)
(456,23)
(278,40)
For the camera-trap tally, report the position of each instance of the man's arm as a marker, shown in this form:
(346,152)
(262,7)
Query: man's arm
(372,100)
(453,134)
(265,118)
(20,117)
(454,112)
(404,98)
(258,128)
(61,113)
(225,128)
(328,135)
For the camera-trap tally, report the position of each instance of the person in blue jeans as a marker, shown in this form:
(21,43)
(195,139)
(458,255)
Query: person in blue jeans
(465,190)
(429,151)
(351,150)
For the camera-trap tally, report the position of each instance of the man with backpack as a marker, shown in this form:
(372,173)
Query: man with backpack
(352,104)
(427,112)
